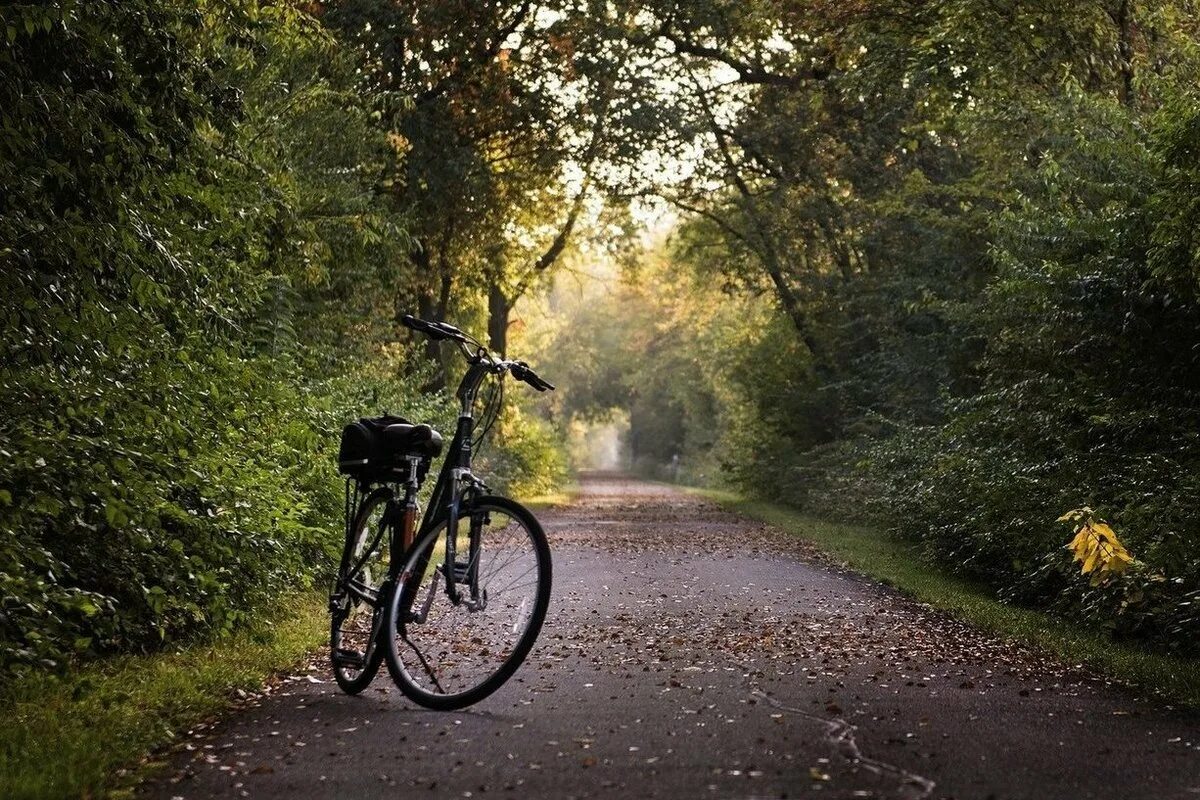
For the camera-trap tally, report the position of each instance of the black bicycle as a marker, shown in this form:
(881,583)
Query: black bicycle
(454,605)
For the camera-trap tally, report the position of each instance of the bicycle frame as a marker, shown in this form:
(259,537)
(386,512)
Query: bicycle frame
(455,484)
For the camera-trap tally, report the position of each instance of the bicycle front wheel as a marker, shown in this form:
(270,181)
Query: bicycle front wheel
(450,647)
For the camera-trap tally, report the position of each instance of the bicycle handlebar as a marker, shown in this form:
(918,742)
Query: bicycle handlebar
(434,330)
(439,331)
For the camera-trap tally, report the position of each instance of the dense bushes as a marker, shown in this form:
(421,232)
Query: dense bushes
(1084,392)
(1090,385)
(525,456)
(198,288)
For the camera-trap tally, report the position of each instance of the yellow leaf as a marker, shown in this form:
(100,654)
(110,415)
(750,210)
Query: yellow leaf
(1096,546)
(1116,565)
(1101,529)
(1075,514)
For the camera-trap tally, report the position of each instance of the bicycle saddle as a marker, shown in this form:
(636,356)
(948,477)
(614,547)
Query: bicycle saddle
(416,439)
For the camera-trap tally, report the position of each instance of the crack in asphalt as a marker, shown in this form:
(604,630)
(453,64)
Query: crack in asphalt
(840,734)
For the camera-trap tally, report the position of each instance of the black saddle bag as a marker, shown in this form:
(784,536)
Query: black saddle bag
(365,455)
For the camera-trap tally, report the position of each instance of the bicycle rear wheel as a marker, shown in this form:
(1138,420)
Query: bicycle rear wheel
(446,653)
(359,603)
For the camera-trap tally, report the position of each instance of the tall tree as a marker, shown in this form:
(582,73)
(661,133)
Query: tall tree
(506,120)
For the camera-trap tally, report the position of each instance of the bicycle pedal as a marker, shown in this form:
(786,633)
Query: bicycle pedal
(461,571)
(348,658)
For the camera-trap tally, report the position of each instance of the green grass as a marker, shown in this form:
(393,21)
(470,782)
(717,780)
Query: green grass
(70,736)
(564,496)
(871,552)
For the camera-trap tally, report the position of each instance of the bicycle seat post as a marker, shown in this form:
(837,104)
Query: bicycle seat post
(408,524)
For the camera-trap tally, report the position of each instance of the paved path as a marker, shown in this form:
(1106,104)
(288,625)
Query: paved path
(690,653)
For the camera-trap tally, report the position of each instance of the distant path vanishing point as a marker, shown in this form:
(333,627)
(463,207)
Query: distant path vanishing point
(690,653)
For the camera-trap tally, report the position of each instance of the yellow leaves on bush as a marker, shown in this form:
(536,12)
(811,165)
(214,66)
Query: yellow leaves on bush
(1096,546)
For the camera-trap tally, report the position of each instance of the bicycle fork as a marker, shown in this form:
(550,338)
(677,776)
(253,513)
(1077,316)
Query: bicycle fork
(465,572)
(453,572)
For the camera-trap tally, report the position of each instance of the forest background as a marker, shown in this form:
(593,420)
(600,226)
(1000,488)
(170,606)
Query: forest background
(928,265)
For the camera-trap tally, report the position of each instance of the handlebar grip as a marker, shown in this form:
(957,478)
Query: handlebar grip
(434,330)
(448,329)
(523,372)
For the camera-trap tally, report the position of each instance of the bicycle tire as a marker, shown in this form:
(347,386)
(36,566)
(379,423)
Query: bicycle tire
(476,651)
(351,634)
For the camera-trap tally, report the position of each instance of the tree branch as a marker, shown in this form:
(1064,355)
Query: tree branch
(747,73)
(711,216)
(559,243)
(765,249)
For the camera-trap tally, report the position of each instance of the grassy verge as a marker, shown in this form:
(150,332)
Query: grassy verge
(69,736)
(895,563)
(563,497)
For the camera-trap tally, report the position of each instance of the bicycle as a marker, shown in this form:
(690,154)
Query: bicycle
(453,608)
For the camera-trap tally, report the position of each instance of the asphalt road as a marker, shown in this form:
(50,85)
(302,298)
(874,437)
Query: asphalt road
(690,653)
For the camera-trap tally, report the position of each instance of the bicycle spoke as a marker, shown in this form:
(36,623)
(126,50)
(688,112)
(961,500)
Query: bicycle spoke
(425,663)
(499,567)
(509,586)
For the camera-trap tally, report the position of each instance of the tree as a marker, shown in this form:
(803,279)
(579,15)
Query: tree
(506,123)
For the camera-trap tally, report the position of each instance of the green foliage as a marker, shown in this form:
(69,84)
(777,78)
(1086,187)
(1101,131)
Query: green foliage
(525,459)
(191,258)
(1089,386)
(77,734)
(202,265)
(962,241)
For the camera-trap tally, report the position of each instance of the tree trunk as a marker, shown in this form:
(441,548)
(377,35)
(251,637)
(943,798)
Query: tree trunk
(499,309)
(1124,23)
(433,309)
